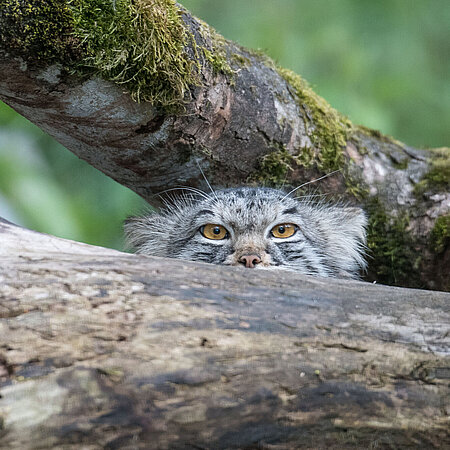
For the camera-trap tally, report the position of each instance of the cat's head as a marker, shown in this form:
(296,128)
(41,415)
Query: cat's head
(256,228)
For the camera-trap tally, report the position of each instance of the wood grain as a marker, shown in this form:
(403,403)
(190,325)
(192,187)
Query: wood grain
(102,349)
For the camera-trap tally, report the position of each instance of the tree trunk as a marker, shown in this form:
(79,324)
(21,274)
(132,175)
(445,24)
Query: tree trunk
(75,70)
(102,349)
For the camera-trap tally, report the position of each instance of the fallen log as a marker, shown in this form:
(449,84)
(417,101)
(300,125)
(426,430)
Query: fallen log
(102,349)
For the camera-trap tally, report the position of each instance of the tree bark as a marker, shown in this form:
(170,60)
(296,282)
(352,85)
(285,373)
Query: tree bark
(241,119)
(103,349)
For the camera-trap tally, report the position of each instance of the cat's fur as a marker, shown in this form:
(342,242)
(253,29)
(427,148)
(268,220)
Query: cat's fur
(329,241)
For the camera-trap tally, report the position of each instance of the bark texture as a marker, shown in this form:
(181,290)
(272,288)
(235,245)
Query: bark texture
(243,121)
(102,349)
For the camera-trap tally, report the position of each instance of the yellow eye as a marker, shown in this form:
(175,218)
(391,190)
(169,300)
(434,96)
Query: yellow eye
(283,230)
(214,231)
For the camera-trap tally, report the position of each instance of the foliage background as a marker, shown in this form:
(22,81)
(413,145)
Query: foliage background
(385,64)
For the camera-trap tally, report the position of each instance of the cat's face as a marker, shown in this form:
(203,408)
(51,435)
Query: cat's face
(255,228)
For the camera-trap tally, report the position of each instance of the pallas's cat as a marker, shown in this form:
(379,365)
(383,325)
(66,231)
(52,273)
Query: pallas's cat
(258,228)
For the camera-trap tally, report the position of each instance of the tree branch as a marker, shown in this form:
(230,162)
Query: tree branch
(211,102)
(105,349)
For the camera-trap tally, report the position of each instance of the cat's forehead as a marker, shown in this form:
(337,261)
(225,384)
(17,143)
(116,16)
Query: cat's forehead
(249,204)
(252,197)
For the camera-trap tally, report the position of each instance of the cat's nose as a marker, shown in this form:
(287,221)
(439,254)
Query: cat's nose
(249,260)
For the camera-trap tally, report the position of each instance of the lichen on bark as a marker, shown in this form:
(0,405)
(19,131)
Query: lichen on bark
(327,130)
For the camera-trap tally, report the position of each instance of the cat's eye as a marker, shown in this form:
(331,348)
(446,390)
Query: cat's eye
(214,231)
(283,230)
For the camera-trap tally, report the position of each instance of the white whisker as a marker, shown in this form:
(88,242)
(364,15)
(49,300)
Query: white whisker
(207,182)
(309,182)
(186,188)
(313,195)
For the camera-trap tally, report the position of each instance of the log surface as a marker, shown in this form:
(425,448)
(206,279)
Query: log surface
(103,349)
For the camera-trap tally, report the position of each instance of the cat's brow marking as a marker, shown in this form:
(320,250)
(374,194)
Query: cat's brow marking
(291,211)
(203,212)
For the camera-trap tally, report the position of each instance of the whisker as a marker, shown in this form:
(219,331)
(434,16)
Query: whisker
(313,195)
(309,182)
(207,182)
(186,188)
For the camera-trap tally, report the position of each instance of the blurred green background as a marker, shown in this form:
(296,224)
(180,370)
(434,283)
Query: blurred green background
(383,63)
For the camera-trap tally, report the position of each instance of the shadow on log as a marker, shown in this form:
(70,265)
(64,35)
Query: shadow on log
(103,349)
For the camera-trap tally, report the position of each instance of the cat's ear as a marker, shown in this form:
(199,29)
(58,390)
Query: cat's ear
(354,222)
(140,230)
(134,232)
(346,236)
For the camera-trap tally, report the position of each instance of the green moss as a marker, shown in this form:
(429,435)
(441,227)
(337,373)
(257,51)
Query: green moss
(438,177)
(275,166)
(139,44)
(392,259)
(439,174)
(401,165)
(440,234)
(216,54)
(261,56)
(329,128)
(38,30)
(354,185)
(240,59)
(378,135)
(217,60)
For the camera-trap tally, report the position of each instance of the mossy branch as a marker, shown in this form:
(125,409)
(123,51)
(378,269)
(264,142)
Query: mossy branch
(146,93)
